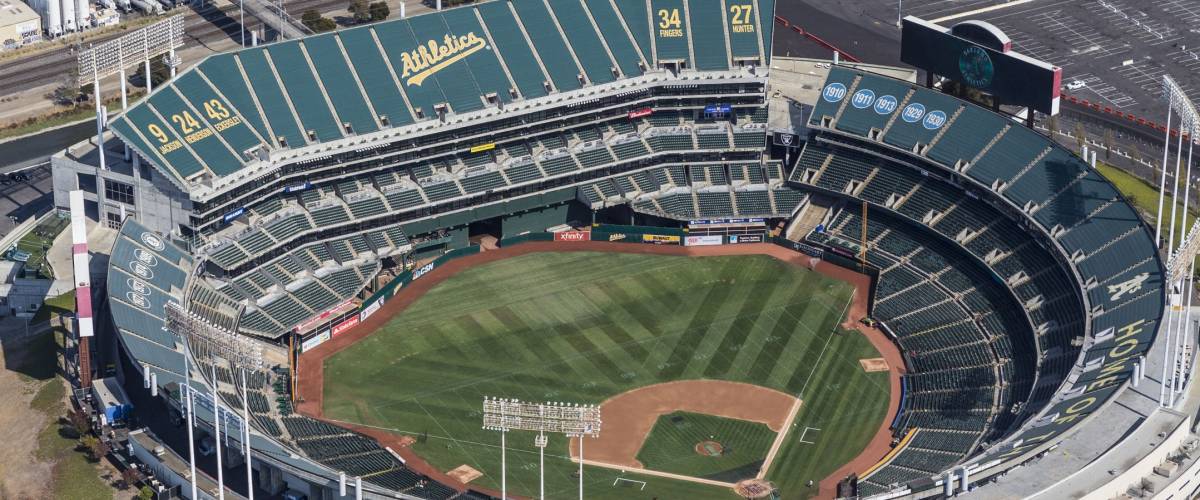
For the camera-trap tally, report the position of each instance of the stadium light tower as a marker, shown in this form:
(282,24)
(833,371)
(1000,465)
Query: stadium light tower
(1179,257)
(570,419)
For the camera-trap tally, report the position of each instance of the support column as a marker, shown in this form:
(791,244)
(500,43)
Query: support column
(124,106)
(1175,196)
(503,468)
(1162,184)
(246,437)
(216,428)
(191,422)
(149,79)
(99,118)
(581,467)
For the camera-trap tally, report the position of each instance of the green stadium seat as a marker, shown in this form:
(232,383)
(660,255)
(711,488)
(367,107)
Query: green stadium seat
(711,49)
(301,87)
(266,88)
(339,83)
(554,53)
(514,49)
(584,41)
(373,71)
(628,57)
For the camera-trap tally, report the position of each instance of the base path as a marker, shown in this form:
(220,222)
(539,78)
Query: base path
(628,417)
(311,364)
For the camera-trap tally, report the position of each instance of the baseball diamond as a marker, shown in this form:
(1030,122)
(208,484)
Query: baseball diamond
(590,326)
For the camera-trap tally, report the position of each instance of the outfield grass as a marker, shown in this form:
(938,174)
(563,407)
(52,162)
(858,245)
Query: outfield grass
(583,327)
(1145,197)
(671,446)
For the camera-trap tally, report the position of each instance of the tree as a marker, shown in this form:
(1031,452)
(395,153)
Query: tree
(1052,124)
(130,477)
(1109,143)
(309,17)
(68,91)
(380,11)
(145,493)
(79,422)
(361,10)
(87,441)
(316,22)
(99,448)
(1080,137)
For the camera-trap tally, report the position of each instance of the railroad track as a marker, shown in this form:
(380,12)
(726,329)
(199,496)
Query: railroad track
(200,27)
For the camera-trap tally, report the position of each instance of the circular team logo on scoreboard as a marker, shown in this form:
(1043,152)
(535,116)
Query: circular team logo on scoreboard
(934,120)
(145,257)
(834,92)
(976,66)
(886,104)
(138,300)
(153,241)
(138,286)
(863,98)
(913,112)
(141,270)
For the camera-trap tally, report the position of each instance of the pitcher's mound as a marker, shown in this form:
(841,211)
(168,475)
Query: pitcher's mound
(754,488)
(873,364)
(464,474)
(710,448)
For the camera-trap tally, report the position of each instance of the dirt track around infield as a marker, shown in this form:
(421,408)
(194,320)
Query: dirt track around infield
(310,369)
(627,418)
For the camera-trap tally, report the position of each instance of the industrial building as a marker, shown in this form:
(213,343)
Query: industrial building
(19,24)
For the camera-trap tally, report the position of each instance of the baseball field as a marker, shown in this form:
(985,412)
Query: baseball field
(635,334)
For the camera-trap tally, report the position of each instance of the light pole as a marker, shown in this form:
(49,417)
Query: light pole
(568,419)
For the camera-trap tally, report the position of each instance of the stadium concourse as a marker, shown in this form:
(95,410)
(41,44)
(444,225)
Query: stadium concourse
(274,193)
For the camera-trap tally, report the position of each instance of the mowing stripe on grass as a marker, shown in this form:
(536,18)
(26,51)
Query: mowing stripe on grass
(736,333)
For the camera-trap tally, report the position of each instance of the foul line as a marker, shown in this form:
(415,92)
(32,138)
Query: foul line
(779,437)
(981,10)
(648,472)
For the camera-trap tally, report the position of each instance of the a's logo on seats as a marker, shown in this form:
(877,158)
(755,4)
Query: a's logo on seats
(434,56)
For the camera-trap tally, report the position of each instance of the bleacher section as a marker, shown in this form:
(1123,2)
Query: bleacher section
(365,79)
(1027,210)
(279,220)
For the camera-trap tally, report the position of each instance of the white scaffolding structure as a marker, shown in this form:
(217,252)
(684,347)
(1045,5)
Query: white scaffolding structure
(204,340)
(113,56)
(1180,257)
(570,419)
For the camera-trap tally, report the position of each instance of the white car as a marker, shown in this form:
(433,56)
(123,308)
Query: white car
(1076,85)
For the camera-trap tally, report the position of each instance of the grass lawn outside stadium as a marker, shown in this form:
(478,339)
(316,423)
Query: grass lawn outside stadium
(586,326)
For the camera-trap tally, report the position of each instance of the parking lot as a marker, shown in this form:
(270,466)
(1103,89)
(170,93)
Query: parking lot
(1119,49)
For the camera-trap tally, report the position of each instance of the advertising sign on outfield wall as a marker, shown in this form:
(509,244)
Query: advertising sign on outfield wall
(573,236)
(659,239)
(421,272)
(316,320)
(370,309)
(706,240)
(745,238)
(315,341)
(345,325)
